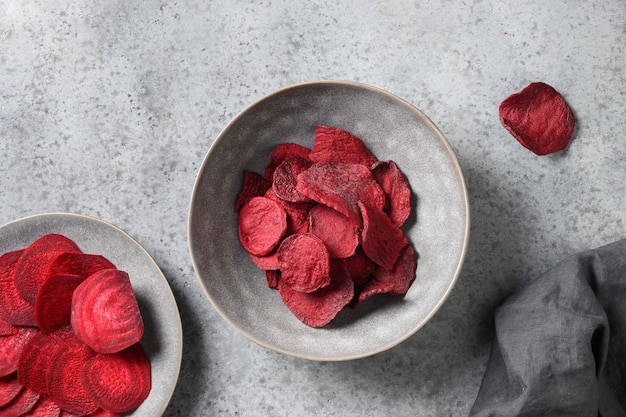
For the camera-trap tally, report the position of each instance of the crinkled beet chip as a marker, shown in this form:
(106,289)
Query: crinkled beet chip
(539,118)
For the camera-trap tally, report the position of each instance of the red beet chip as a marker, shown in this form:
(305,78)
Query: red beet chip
(335,144)
(396,281)
(31,269)
(285,179)
(304,262)
(64,378)
(297,213)
(36,358)
(318,308)
(11,347)
(119,382)
(105,314)
(254,185)
(45,407)
(539,118)
(14,309)
(9,388)
(339,234)
(396,188)
(284,151)
(341,186)
(382,240)
(262,225)
(53,305)
(23,402)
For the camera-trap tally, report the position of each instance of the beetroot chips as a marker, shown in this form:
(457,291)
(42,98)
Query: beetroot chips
(324,223)
(539,118)
(70,328)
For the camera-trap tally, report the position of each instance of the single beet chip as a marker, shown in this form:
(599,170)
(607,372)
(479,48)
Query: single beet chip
(64,377)
(339,234)
(304,262)
(317,309)
(36,358)
(285,179)
(262,225)
(539,118)
(31,269)
(335,144)
(341,186)
(14,309)
(118,382)
(105,313)
(53,305)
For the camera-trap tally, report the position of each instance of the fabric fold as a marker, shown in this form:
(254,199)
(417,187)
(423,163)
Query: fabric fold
(560,343)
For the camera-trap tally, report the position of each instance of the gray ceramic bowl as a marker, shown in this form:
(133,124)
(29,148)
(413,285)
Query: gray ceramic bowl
(392,129)
(162,337)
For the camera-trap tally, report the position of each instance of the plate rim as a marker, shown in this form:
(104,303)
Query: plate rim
(464,197)
(60,214)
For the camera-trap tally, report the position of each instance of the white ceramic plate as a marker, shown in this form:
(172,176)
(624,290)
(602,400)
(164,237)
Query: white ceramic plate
(162,338)
(393,129)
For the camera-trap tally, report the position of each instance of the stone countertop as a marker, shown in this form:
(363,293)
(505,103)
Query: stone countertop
(108,109)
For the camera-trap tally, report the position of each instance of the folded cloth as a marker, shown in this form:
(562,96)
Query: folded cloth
(560,343)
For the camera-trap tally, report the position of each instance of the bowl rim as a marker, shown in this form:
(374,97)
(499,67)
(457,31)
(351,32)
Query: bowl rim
(466,216)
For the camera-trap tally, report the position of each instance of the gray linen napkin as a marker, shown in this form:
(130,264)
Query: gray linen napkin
(560,342)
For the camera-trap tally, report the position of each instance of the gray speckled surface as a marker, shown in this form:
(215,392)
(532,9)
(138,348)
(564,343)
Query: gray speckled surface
(108,109)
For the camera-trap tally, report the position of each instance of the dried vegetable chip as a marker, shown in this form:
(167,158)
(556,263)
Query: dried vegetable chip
(22,403)
(304,262)
(9,388)
(335,144)
(339,234)
(316,309)
(539,118)
(343,241)
(262,225)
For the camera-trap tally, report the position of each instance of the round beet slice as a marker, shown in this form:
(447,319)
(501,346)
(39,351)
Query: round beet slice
(316,309)
(14,309)
(339,234)
(304,262)
(53,305)
(119,382)
(396,188)
(31,269)
(286,177)
(539,118)
(105,313)
(262,225)
(335,144)
(64,378)
(36,358)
